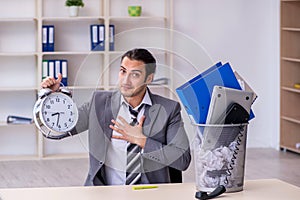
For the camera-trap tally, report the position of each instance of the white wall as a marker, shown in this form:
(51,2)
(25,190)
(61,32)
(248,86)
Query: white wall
(246,34)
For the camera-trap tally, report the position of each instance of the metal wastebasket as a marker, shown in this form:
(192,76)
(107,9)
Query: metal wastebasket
(219,152)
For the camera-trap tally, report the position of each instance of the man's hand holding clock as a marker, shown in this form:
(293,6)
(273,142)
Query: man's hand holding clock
(55,113)
(52,83)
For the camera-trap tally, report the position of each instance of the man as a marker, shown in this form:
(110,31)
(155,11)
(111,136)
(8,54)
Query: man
(120,151)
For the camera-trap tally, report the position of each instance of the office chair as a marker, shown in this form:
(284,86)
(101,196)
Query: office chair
(175,175)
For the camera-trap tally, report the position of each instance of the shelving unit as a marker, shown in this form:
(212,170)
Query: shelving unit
(290,74)
(21,56)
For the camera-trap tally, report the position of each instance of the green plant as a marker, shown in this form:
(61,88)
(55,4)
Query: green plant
(74,3)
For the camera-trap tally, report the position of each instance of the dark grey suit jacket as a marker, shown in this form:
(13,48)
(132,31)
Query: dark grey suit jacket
(167,144)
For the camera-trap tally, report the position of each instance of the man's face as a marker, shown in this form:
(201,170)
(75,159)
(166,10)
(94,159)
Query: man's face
(132,78)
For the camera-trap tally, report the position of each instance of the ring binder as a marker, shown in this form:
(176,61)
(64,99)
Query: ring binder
(54,67)
(48,38)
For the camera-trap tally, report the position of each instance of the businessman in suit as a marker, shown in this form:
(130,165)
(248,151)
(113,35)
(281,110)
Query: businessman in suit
(158,137)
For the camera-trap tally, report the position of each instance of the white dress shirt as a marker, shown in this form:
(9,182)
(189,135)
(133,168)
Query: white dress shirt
(116,158)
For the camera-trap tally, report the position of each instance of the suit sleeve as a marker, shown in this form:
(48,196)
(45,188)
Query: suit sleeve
(83,119)
(175,151)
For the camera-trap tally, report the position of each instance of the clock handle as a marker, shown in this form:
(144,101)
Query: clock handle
(44,92)
(57,137)
(66,91)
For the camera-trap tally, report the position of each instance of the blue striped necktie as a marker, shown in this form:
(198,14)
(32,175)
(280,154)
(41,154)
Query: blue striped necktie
(133,168)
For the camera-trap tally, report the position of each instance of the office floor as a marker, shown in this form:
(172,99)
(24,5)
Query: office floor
(260,164)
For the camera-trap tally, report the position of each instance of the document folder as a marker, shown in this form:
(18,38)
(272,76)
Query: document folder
(111,37)
(195,94)
(61,66)
(45,70)
(94,36)
(57,68)
(101,38)
(50,38)
(97,37)
(45,38)
(51,68)
(64,72)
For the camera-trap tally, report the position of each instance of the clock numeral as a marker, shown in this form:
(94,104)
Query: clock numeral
(48,106)
(48,120)
(64,101)
(71,113)
(51,102)
(45,113)
(66,125)
(57,100)
(69,107)
(59,126)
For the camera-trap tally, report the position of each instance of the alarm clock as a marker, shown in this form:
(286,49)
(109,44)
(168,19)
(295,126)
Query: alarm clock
(55,114)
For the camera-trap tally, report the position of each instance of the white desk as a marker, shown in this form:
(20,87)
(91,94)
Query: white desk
(253,190)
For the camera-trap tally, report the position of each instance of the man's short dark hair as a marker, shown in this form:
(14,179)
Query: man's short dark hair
(142,55)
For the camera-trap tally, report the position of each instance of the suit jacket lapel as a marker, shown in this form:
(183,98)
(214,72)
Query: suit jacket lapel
(112,106)
(151,113)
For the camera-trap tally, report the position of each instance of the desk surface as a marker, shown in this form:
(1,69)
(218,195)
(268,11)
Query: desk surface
(255,189)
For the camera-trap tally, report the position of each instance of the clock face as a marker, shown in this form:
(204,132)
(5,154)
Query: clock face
(59,113)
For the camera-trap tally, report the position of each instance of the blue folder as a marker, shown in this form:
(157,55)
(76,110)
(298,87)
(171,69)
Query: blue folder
(111,37)
(97,37)
(51,38)
(61,66)
(94,36)
(195,94)
(64,72)
(48,38)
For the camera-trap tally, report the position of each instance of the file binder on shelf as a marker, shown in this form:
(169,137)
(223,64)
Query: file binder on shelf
(45,38)
(195,94)
(97,37)
(44,69)
(53,68)
(111,37)
(51,38)
(64,72)
(57,68)
(94,36)
(48,38)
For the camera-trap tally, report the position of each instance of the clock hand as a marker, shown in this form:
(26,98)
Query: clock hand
(57,113)
(57,119)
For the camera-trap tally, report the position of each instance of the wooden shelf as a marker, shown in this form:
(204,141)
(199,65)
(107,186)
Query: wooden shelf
(290,89)
(19,89)
(290,29)
(291,59)
(74,53)
(137,18)
(66,19)
(290,74)
(292,119)
(18,20)
(72,43)
(18,54)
